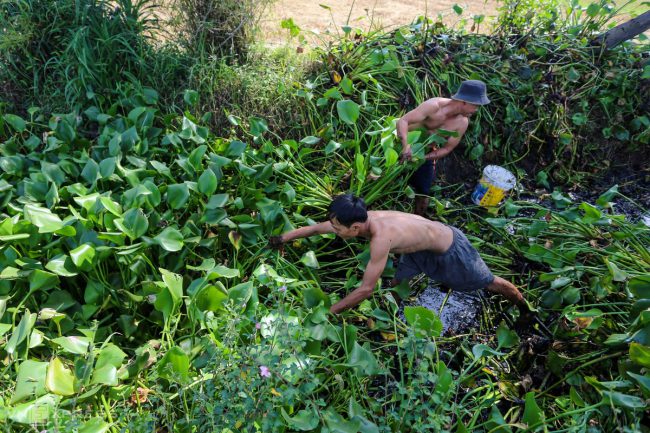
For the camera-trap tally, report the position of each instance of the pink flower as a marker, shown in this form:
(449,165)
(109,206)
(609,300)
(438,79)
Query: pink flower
(283,289)
(258,325)
(264,371)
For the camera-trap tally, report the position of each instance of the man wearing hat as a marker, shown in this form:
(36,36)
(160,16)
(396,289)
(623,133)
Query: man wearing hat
(451,114)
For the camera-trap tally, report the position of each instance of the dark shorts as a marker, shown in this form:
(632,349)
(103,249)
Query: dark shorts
(460,268)
(423,178)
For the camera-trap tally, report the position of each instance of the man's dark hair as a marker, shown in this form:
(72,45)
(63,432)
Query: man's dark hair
(348,209)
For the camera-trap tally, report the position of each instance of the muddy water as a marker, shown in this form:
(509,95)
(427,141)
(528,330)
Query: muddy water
(459,313)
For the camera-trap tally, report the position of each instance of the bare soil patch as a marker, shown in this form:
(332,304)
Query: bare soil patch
(311,17)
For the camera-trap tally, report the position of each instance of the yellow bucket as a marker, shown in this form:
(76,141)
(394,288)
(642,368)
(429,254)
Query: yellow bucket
(493,186)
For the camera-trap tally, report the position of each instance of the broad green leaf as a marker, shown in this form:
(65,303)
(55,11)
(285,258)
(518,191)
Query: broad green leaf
(616,273)
(35,412)
(533,415)
(83,254)
(348,111)
(170,239)
(110,355)
(210,298)
(105,375)
(21,332)
(309,260)
(16,122)
(423,321)
(304,420)
(134,223)
(174,365)
(640,286)
(483,350)
(640,354)
(208,182)
(205,265)
(111,206)
(506,337)
(221,271)
(363,361)
(458,9)
(257,126)
(337,424)
(59,379)
(623,400)
(30,382)
(217,201)
(94,425)
(174,283)
(76,345)
(313,296)
(44,219)
(643,381)
(62,265)
(241,293)
(177,195)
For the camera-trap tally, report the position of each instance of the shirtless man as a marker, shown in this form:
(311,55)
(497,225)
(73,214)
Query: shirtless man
(439,113)
(441,252)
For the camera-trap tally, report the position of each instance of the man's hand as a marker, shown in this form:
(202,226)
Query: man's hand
(276,242)
(432,156)
(406,156)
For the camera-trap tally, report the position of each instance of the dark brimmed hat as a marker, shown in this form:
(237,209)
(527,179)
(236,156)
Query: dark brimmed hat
(472,91)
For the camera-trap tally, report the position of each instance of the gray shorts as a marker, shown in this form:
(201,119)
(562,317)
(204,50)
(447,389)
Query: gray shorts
(460,268)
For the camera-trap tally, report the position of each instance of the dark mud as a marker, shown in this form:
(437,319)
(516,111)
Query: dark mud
(460,312)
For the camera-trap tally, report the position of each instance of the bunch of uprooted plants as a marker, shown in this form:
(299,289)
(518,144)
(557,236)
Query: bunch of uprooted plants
(136,292)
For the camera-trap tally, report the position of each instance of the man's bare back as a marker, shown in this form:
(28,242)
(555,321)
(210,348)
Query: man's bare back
(437,117)
(407,233)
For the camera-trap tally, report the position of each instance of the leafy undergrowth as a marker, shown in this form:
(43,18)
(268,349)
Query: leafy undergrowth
(136,293)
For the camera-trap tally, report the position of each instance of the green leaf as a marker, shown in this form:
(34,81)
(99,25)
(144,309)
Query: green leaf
(257,126)
(174,365)
(177,195)
(76,345)
(313,296)
(423,321)
(105,375)
(309,260)
(643,381)
(482,350)
(35,412)
(191,97)
(506,337)
(62,265)
(110,355)
(111,206)
(44,219)
(30,382)
(208,182)
(458,9)
(59,379)
(348,111)
(210,298)
(623,400)
(304,420)
(83,254)
(593,9)
(640,354)
(133,224)
(94,425)
(16,122)
(640,286)
(533,415)
(21,332)
(363,361)
(616,273)
(217,201)
(170,239)
(337,424)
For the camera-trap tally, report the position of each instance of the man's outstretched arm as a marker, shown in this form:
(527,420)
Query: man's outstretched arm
(302,232)
(378,257)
